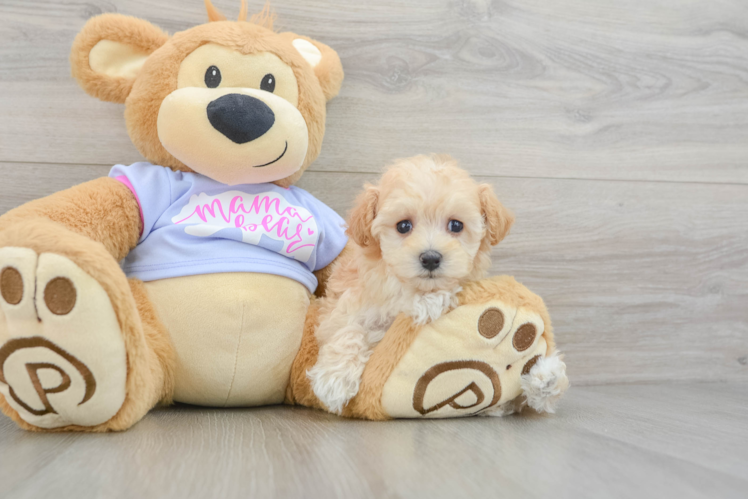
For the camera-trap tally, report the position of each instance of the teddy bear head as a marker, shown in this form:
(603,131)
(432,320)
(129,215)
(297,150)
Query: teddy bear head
(232,100)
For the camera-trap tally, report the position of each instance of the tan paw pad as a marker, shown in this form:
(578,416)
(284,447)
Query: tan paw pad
(62,356)
(11,285)
(528,366)
(60,296)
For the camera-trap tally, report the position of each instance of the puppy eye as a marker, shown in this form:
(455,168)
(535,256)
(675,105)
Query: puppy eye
(455,226)
(404,226)
(213,77)
(268,83)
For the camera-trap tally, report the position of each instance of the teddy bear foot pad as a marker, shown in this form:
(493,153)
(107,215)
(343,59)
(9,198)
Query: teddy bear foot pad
(468,362)
(62,355)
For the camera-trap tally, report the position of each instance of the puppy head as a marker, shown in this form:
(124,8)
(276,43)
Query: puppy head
(430,222)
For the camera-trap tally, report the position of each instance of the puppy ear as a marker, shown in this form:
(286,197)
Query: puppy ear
(498,219)
(325,62)
(109,52)
(362,217)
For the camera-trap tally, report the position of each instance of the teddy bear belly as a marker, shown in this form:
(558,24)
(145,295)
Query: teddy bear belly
(236,335)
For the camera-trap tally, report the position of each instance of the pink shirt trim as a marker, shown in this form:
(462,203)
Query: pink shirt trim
(124,180)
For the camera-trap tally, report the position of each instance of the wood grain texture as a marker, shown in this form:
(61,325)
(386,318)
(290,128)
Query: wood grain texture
(613,441)
(645,281)
(651,90)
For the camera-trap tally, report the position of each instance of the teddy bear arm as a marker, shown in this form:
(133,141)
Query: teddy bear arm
(104,210)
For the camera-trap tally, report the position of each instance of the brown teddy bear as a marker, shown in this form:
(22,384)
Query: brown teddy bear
(191,277)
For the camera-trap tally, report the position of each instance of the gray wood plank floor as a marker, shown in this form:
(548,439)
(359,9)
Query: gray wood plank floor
(613,441)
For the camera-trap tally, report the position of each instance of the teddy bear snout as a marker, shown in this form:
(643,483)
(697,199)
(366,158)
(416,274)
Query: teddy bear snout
(241,118)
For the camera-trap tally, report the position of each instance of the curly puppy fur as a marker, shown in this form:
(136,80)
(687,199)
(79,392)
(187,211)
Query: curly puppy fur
(384,275)
(546,383)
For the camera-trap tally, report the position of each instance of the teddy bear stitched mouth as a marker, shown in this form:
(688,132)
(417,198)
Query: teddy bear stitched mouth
(241,118)
(271,162)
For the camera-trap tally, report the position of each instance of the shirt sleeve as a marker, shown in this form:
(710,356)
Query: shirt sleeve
(151,186)
(333,237)
(332,230)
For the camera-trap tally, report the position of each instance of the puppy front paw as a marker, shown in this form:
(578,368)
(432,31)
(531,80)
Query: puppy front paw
(510,407)
(334,388)
(429,307)
(337,374)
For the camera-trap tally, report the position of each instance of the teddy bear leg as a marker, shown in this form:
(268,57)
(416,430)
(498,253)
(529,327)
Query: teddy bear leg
(80,347)
(299,390)
(493,354)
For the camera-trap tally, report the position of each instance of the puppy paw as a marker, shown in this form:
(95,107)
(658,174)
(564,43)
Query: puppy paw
(336,376)
(429,307)
(332,387)
(544,381)
(510,407)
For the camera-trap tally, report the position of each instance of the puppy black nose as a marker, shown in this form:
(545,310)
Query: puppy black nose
(241,118)
(431,260)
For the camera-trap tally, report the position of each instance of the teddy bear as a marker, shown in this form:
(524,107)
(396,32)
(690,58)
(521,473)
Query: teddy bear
(191,277)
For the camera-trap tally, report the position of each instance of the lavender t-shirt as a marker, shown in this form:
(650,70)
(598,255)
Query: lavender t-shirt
(195,225)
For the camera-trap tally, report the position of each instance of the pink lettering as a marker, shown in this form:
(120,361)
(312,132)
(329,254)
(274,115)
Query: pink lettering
(276,221)
(211,209)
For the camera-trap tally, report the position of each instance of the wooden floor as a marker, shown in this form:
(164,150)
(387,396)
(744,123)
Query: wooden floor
(616,131)
(681,440)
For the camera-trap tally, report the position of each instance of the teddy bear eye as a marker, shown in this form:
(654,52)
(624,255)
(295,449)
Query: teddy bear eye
(213,77)
(455,226)
(404,226)
(268,83)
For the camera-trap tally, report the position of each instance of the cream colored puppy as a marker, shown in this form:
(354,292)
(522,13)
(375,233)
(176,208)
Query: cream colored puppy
(425,230)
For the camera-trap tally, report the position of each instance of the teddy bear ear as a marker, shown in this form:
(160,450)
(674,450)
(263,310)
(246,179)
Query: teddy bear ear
(325,62)
(109,52)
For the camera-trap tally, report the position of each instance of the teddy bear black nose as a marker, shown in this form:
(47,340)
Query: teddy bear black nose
(241,118)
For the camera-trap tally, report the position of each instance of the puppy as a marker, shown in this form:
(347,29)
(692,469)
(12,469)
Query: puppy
(425,230)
